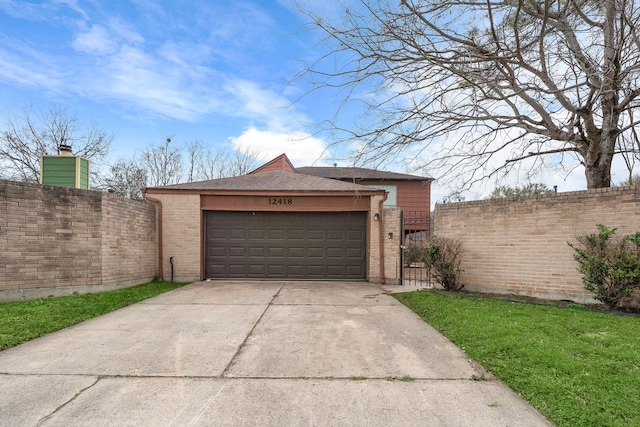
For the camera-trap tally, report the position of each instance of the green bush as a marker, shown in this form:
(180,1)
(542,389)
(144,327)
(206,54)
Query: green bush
(610,266)
(413,254)
(444,256)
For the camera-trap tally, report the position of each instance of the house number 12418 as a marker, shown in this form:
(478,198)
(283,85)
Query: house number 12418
(280,201)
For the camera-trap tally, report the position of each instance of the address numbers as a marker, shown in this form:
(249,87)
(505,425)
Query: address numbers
(280,201)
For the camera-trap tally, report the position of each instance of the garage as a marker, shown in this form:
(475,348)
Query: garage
(272,224)
(285,245)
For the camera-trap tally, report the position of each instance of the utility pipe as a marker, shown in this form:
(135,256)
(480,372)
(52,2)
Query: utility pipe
(157,202)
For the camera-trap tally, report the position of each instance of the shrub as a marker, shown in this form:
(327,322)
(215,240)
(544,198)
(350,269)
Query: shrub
(413,253)
(610,266)
(444,256)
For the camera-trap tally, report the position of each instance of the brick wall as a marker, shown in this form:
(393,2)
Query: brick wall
(520,246)
(60,241)
(129,245)
(181,218)
(391,237)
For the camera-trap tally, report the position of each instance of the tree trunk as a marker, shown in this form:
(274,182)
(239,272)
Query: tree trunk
(598,173)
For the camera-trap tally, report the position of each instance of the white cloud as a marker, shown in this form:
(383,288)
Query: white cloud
(261,104)
(73,5)
(301,148)
(96,41)
(26,66)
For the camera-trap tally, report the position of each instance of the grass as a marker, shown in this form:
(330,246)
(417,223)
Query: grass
(25,320)
(578,368)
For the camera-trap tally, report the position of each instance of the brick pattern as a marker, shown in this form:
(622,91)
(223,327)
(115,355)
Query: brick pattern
(390,244)
(129,241)
(56,241)
(391,235)
(181,230)
(520,246)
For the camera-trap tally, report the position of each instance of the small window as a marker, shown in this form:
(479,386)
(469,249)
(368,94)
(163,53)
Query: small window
(392,198)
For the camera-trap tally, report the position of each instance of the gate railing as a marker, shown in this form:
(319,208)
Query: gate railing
(416,232)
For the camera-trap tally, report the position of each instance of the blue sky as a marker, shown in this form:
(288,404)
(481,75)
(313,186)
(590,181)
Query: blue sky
(217,71)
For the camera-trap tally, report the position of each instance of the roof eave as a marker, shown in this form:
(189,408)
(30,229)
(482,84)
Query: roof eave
(205,192)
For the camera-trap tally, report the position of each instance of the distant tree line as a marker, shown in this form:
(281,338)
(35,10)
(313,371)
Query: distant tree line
(31,133)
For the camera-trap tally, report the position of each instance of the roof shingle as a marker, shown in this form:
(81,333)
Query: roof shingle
(358,174)
(271,181)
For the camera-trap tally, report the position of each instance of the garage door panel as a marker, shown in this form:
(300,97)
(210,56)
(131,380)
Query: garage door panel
(335,271)
(334,235)
(354,270)
(217,269)
(217,233)
(354,253)
(334,253)
(276,254)
(315,235)
(257,234)
(257,252)
(295,234)
(315,252)
(238,234)
(285,245)
(315,272)
(293,253)
(237,252)
(276,234)
(257,269)
(295,270)
(355,235)
(276,270)
(236,269)
(217,251)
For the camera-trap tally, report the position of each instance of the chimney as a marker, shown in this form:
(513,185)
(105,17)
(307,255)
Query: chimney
(65,170)
(65,150)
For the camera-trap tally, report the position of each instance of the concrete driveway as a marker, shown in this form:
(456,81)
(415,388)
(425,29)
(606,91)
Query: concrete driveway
(253,354)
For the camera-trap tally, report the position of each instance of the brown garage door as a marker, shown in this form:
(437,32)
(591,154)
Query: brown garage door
(286,245)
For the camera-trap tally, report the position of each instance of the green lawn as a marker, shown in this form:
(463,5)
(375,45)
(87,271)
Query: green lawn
(578,368)
(25,320)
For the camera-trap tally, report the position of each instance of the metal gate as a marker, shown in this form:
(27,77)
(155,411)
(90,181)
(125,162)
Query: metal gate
(415,231)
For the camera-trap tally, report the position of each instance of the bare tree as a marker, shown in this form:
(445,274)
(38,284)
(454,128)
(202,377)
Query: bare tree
(195,152)
(629,148)
(240,162)
(203,163)
(125,178)
(163,164)
(486,87)
(30,134)
(211,165)
(169,163)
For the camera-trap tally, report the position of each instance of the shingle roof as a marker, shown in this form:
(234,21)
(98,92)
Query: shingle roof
(280,163)
(353,173)
(271,181)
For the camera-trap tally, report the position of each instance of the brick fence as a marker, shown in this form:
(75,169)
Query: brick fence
(60,241)
(519,246)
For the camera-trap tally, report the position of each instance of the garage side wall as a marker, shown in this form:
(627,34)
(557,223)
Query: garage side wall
(391,236)
(181,218)
(384,255)
(520,246)
(57,241)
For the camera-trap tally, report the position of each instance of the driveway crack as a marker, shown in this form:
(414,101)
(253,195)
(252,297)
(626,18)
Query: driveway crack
(244,342)
(75,396)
